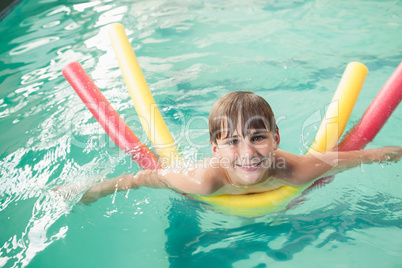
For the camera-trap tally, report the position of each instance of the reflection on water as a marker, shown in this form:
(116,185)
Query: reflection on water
(192,52)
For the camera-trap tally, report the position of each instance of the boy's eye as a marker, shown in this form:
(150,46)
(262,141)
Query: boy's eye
(233,142)
(257,138)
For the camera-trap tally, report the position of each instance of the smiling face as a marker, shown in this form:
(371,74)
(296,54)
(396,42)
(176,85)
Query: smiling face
(243,136)
(248,159)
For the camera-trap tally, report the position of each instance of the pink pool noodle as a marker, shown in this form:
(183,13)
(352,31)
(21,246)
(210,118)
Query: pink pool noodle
(376,114)
(109,119)
(371,122)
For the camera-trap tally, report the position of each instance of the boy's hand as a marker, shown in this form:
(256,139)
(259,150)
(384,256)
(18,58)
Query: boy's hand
(388,154)
(69,191)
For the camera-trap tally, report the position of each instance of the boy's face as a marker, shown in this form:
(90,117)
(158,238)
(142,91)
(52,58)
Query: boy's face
(246,159)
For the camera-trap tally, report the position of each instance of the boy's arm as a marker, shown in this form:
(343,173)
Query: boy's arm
(304,169)
(105,188)
(202,179)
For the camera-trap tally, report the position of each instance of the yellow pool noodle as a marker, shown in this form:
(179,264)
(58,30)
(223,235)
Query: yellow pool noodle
(144,103)
(253,205)
(340,108)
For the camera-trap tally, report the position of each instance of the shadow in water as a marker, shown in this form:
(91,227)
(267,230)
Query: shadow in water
(280,238)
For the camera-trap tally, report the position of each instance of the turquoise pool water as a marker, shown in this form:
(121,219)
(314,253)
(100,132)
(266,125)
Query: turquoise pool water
(292,53)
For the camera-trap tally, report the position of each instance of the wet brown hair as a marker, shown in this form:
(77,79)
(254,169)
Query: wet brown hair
(244,107)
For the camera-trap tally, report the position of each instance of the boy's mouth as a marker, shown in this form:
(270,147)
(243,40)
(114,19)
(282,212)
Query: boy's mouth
(250,167)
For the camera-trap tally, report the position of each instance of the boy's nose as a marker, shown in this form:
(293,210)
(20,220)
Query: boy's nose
(247,149)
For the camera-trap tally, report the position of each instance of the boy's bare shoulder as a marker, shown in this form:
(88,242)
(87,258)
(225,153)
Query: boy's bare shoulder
(285,165)
(284,161)
(213,169)
(213,175)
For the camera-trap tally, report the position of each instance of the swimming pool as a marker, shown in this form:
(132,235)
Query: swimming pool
(292,53)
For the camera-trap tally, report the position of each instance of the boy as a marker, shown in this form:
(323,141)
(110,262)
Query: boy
(244,142)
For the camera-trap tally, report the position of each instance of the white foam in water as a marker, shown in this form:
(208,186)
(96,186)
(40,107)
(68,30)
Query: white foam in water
(292,53)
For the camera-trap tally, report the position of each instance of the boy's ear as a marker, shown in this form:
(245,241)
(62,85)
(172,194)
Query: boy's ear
(214,149)
(277,139)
